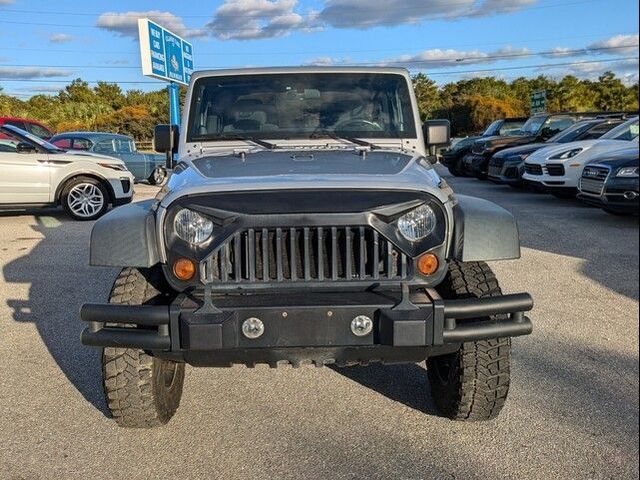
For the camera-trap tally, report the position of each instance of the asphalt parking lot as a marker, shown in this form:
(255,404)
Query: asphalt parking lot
(572,410)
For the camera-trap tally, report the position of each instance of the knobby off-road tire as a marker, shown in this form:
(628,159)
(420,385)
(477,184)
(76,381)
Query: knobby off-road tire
(142,391)
(472,383)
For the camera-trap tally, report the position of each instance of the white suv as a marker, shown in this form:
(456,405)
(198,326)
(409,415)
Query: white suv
(558,168)
(37,173)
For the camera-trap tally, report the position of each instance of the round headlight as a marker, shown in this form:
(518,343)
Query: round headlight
(192,227)
(418,223)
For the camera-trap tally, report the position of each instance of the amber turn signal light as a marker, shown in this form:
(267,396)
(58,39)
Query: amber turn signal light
(428,264)
(184,269)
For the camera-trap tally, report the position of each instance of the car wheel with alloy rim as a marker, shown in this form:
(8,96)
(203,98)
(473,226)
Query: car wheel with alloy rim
(158,176)
(85,198)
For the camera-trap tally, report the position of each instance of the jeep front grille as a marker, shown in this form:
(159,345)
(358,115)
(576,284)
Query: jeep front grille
(303,254)
(593,179)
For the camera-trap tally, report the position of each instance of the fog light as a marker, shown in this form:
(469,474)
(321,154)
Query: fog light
(184,269)
(252,327)
(428,264)
(361,326)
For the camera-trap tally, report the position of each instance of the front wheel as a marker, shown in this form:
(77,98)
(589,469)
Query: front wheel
(472,383)
(142,391)
(85,198)
(158,176)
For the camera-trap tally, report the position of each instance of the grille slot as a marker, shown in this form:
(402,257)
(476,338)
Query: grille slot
(593,179)
(279,255)
(554,169)
(533,168)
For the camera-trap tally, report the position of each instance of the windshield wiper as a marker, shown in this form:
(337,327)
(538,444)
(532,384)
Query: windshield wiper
(261,143)
(331,134)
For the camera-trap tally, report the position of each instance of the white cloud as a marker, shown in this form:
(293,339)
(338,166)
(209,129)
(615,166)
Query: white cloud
(616,45)
(6,2)
(11,73)
(60,37)
(626,70)
(561,52)
(436,58)
(620,44)
(254,19)
(126,23)
(367,14)
(41,89)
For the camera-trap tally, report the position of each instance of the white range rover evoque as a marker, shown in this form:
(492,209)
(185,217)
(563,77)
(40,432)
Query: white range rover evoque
(558,168)
(36,173)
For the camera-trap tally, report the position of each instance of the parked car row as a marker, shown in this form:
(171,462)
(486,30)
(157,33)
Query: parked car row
(37,174)
(593,156)
(144,166)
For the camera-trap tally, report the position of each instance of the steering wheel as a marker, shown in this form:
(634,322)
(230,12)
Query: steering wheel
(352,125)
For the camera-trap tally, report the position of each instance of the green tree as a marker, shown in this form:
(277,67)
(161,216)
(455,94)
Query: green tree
(427,95)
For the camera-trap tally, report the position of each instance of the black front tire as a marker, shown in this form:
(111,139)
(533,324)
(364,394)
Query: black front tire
(142,391)
(619,213)
(564,195)
(472,383)
(158,176)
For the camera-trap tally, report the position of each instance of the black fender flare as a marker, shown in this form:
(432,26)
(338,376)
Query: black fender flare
(126,237)
(483,231)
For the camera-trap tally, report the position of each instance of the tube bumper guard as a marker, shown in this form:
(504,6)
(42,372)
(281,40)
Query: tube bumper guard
(304,320)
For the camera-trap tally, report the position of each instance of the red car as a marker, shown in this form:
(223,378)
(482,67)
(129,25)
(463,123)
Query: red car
(31,126)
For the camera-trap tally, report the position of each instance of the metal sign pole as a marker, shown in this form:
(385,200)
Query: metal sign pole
(174,118)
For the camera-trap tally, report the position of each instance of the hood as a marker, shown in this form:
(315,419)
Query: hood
(625,157)
(590,148)
(305,169)
(88,156)
(502,141)
(521,150)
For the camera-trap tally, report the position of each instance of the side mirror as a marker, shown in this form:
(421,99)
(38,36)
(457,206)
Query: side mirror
(166,138)
(24,147)
(437,133)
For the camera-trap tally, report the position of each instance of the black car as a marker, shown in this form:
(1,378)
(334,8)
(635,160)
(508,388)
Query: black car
(539,128)
(452,157)
(507,166)
(611,182)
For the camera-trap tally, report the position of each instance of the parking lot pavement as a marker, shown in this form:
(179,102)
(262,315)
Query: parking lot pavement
(572,410)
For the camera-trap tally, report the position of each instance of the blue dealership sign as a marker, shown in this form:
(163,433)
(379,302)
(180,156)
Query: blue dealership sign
(164,54)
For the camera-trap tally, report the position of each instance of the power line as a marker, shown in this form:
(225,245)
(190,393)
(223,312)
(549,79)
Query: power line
(451,72)
(461,60)
(334,52)
(235,29)
(544,65)
(461,3)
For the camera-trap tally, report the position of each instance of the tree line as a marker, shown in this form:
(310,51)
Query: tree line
(469,104)
(472,104)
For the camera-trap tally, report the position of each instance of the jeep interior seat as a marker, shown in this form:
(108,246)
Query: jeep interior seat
(248,115)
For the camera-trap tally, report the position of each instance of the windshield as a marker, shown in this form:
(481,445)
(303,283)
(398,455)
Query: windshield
(24,136)
(626,131)
(504,127)
(572,133)
(532,126)
(301,105)
(493,129)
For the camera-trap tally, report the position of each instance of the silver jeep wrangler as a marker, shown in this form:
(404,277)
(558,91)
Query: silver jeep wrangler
(304,223)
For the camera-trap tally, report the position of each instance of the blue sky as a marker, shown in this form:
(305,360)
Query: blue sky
(45,44)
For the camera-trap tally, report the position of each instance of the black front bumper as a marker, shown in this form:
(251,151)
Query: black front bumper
(505,172)
(476,164)
(307,327)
